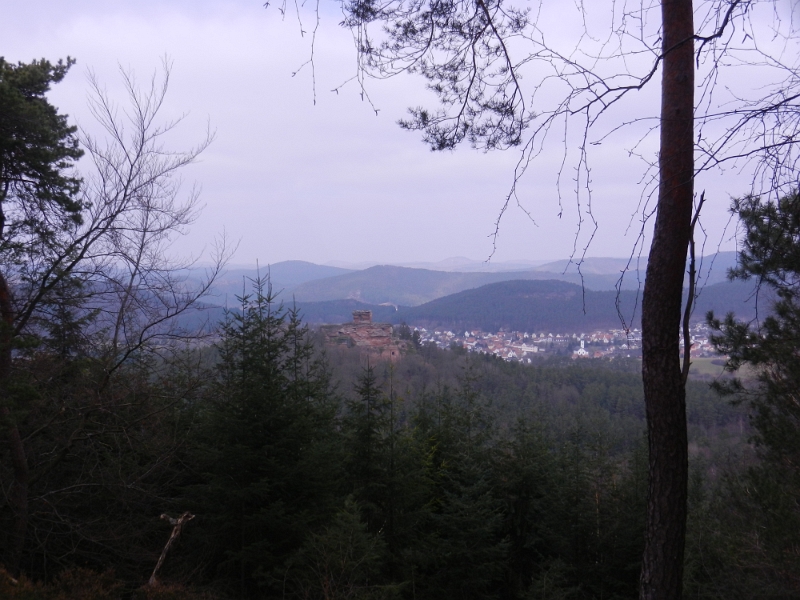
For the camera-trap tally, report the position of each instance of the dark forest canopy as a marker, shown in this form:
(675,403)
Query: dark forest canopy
(441,475)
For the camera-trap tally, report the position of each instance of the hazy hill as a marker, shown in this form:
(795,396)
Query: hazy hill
(466,265)
(551,306)
(734,296)
(603,273)
(531,305)
(295,272)
(395,285)
(412,286)
(454,264)
(589,266)
(560,306)
(285,276)
(341,311)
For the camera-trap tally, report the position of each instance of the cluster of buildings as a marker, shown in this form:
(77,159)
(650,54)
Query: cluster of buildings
(380,340)
(523,346)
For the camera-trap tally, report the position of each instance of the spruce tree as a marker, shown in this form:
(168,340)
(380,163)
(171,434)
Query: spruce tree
(463,545)
(266,458)
(367,438)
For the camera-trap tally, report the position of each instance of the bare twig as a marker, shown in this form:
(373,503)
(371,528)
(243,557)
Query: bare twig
(690,297)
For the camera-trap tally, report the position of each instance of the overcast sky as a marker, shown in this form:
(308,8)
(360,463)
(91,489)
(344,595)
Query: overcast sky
(331,181)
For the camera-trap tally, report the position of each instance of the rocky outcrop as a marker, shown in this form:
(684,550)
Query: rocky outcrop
(375,338)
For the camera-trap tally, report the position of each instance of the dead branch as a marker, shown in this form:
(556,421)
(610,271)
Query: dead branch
(177,526)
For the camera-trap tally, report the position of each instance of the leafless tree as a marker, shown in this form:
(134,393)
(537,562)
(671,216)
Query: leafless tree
(136,286)
(504,79)
(109,277)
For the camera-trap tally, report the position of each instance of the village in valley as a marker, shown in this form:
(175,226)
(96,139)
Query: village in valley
(524,346)
(387,341)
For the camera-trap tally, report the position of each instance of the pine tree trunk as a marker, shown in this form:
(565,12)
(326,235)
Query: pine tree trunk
(665,397)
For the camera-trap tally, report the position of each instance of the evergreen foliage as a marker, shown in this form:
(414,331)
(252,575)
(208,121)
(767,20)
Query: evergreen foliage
(367,434)
(342,561)
(319,476)
(767,495)
(268,467)
(90,370)
(444,475)
(38,147)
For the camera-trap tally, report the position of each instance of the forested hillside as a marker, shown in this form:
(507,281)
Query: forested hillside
(560,306)
(448,475)
(526,306)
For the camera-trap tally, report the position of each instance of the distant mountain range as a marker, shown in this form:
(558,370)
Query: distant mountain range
(284,276)
(533,306)
(400,285)
(407,286)
(522,305)
(554,295)
(455,264)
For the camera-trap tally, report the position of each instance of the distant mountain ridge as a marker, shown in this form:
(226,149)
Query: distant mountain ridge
(305,282)
(284,277)
(396,285)
(534,306)
(412,287)
(544,296)
(528,305)
(455,264)
(524,305)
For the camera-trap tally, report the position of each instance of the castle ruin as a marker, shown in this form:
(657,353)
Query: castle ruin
(375,338)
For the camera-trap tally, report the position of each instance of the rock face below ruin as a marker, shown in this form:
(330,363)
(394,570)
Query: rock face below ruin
(375,338)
